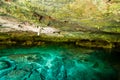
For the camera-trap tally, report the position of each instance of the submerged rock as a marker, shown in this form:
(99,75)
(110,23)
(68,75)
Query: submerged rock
(7,66)
(48,65)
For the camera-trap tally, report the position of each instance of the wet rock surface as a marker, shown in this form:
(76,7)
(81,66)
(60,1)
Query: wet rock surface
(53,64)
(13,31)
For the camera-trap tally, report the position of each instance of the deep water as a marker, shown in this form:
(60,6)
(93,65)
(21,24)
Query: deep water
(57,62)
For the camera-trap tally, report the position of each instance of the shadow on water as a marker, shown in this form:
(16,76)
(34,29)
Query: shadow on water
(57,62)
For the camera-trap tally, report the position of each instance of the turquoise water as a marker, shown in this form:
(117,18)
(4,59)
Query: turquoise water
(56,62)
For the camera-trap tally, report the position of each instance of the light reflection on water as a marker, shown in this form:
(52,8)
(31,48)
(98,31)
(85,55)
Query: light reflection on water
(54,62)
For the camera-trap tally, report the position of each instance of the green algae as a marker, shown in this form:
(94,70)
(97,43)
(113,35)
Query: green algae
(91,24)
(66,11)
(106,40)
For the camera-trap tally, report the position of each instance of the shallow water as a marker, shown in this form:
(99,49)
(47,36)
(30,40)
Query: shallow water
(57,62)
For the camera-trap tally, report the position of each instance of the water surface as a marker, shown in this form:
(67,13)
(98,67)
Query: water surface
(56,62)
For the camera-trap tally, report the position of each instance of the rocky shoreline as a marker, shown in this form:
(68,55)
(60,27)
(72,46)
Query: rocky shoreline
(31,38)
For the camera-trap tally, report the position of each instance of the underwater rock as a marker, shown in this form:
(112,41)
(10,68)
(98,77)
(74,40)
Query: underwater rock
(53,64)
(7,66)
(3,65)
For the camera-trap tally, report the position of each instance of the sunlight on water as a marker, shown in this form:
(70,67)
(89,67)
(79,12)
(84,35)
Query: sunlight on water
(54,62)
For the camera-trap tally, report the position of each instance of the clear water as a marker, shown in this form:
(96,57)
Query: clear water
(56,62)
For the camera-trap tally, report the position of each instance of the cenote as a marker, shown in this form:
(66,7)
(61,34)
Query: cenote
(57,61)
